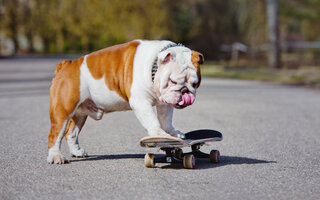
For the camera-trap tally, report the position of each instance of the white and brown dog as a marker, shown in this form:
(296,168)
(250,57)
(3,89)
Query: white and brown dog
(133,76)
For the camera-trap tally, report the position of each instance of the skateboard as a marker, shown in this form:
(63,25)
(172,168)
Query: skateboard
(172,147)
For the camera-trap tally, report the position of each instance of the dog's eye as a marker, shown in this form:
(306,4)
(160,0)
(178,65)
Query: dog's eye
(173,82)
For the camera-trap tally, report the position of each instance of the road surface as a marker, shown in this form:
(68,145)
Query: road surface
(271,146)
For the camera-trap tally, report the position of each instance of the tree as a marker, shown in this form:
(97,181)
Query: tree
(273,33)
(10,21)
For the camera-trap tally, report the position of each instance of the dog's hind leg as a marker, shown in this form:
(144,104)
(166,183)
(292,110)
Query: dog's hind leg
(74,127)
(64,100)
(60,119)
(85,109)
(58,127)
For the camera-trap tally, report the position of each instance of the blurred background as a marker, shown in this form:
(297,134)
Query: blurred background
(272,40)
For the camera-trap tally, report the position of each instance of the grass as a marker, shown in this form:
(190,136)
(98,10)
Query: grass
(303,76)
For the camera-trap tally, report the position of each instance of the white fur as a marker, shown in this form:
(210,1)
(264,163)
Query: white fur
(145,93)
(143,96)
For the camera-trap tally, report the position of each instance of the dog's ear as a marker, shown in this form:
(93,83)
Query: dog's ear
(197,59)
(201,58)
(166,56)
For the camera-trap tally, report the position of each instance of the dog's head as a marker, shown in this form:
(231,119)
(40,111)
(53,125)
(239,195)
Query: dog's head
(178,76)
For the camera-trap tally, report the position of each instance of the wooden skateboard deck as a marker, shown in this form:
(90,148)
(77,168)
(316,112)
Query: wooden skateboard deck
(193,137)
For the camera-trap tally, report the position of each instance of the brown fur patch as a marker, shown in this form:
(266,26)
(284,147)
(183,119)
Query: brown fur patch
(64,95)
(116,65)
(197,59)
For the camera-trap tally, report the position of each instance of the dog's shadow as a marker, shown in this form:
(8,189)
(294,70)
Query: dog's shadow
(108,157)
(201,163)
(230,160)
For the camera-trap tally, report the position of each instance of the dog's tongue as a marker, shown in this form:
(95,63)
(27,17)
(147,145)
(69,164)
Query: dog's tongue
(186,100)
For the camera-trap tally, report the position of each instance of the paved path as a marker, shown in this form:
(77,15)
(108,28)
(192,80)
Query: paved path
(271,146)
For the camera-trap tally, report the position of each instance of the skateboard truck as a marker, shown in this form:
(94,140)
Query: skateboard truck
(173,155)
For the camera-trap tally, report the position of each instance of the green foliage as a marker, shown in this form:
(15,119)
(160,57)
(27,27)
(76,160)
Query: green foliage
(300,17)
(72,26)
(307,76)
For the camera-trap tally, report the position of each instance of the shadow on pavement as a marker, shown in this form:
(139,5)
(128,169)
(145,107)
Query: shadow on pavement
(108,157)
(201,163)
(230,160)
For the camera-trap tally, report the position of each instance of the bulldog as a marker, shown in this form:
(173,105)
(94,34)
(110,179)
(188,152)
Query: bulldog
(133,76)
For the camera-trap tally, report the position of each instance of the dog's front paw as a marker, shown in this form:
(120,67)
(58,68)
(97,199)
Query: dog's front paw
(177,133)
(79,153)
(55,157)
(159,132)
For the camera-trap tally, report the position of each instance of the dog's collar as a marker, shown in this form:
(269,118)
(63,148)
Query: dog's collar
(154,68)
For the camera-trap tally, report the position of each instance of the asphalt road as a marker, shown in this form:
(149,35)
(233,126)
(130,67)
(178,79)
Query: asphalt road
(271,146)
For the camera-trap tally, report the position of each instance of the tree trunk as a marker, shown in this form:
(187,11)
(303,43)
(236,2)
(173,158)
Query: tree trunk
(30,40)
(13,12)
(273,32)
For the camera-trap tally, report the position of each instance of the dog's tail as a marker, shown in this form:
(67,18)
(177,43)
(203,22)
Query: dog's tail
(61,65)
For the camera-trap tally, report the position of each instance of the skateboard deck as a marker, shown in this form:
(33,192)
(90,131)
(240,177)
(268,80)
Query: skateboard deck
(191,138)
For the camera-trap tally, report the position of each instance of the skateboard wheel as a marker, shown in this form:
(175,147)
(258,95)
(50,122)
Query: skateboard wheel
(149,160)
(189,161)
(178,153)
(214,156)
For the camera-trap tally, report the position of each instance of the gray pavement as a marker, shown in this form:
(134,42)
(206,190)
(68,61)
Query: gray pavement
(271,146)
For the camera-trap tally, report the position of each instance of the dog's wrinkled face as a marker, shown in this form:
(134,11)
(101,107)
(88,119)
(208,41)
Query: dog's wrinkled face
(178,76)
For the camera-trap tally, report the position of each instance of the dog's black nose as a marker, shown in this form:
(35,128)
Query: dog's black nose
(184,90)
